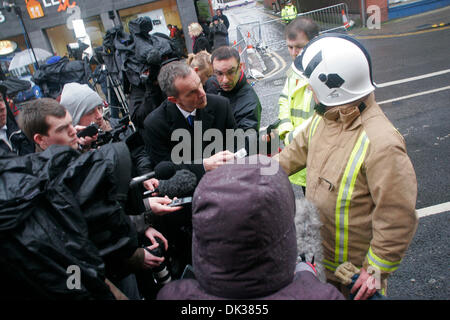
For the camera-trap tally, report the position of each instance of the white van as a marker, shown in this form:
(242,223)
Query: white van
(227,4)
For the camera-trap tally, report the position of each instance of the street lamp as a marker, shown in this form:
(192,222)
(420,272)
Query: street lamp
(18,12)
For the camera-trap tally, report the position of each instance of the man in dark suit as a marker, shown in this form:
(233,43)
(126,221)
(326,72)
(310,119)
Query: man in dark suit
(178,131)
(175,131)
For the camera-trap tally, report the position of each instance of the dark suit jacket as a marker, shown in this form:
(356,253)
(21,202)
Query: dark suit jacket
(163,121)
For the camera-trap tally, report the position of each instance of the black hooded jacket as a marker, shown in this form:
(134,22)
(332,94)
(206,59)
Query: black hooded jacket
(60,208)
(150,50)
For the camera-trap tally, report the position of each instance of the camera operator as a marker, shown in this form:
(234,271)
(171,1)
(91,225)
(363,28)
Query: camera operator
(142,68)
(46,122)
(84,104)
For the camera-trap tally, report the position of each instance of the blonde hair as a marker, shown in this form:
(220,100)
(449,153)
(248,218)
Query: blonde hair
(202,61)
(195,29)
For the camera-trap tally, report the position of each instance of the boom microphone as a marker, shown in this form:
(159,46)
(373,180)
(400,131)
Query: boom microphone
(182,184)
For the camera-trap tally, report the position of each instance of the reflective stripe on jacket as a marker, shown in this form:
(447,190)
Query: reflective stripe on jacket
(296,104)
(363,183)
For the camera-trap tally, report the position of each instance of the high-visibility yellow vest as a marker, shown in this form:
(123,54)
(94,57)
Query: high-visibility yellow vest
(296,105)
(288,13)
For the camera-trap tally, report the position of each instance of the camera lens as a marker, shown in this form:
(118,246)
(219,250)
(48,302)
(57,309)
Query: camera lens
(161,274)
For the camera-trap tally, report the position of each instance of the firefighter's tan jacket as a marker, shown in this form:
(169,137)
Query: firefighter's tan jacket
(363,183)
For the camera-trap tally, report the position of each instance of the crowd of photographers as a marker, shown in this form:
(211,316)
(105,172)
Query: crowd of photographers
(94,207)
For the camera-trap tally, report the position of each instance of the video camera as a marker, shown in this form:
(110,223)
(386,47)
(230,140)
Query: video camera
(76,49)
(105,137)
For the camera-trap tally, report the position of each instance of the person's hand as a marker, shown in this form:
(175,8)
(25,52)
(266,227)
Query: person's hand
(151,261)
(160,206)
(151,185)
(217,160)
(85,141)
(267,138)
(364,291)
(151,233)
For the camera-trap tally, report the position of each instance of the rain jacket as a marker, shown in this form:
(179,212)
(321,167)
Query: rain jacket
(362,182)
(244,238)
(60,208)
(150,50)
(296,104)
(52,77)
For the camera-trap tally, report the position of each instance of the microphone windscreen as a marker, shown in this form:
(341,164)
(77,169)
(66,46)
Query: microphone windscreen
(182,184)
(165,170)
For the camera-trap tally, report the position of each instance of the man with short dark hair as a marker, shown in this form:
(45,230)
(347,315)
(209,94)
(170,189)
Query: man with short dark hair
(225,21)
(46,122)
(227,68)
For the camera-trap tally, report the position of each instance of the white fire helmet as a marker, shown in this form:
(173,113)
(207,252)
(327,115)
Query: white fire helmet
(338,69)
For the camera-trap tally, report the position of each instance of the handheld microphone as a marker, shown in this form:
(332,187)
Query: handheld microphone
(163,170)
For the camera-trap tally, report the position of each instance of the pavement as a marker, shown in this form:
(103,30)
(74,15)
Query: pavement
(439,18)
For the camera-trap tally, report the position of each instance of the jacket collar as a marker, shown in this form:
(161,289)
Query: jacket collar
(349,114)
(177,120)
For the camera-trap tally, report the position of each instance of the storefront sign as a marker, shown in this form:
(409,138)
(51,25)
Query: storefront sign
(34,9)
(7,47)
(62,4)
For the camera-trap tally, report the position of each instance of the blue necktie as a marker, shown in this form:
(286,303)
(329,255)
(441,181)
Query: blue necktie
(190,120)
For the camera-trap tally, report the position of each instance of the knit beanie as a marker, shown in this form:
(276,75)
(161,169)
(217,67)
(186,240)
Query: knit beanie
(79,99)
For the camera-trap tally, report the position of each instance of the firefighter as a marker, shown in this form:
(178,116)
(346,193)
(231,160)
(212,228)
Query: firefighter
(359,174)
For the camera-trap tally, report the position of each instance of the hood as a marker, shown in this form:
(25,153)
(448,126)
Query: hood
(140,26)
(244,238)
(79,99)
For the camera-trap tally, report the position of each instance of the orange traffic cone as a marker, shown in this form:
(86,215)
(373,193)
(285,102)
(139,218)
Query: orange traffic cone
(345,20)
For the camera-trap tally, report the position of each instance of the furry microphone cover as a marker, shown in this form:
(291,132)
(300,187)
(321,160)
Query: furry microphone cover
(309,241)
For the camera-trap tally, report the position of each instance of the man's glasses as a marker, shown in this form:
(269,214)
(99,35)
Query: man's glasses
(230,73)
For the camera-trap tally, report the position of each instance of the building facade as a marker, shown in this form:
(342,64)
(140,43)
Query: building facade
(49,23)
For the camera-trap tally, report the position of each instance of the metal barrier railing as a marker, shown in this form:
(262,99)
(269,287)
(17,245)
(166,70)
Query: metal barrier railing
(270,34)
(241,46)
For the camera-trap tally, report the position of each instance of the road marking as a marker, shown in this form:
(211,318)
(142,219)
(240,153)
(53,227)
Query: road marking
(385,36)
(424,76)
(276,70)
(414,95)
(439,208)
